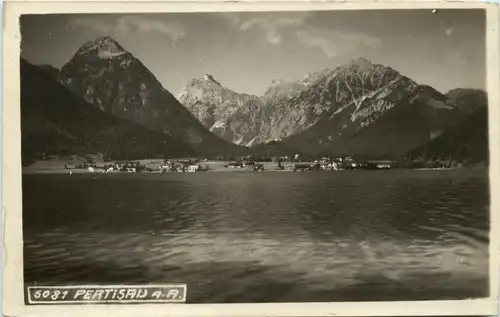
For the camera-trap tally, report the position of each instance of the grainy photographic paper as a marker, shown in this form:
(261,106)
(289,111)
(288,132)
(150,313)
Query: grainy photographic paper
(257,159)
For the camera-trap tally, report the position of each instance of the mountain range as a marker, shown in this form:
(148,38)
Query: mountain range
(359,108)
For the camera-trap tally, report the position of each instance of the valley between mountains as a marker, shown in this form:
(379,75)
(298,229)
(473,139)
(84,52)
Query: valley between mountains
(104,100)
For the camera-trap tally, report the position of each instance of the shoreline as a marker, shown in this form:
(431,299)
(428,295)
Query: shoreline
(56,165)
(52,167)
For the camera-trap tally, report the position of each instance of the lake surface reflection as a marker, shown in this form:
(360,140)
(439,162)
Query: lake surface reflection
(264,237)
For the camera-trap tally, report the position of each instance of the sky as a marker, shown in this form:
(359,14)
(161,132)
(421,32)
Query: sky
(246,51)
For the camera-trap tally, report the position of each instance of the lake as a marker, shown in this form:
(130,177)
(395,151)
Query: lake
(264,237)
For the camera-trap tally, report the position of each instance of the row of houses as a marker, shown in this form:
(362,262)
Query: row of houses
(174,166)
(323,164)
(136,166)
(246,165)
(124,166)
(340,164)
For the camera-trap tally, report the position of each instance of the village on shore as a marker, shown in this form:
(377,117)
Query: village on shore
(242,164)
(285,163)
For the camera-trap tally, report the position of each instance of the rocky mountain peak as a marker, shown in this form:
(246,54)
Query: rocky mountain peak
(276,83)
(361,62)
(104,47)
(312,77)
(209,78)
(281,88)
(114,81)
(362,66)
(58,121)
(210,102)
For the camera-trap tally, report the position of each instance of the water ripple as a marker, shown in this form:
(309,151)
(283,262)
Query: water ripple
(265,237)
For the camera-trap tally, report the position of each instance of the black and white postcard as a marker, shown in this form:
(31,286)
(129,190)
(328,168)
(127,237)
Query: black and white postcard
(289,159)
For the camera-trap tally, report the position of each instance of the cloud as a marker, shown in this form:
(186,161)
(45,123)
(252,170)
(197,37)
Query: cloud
(89,23)
(274,30)
(273,37)
(332,43)
(140,25)
(336,43)
(273,27)
(272,24)
(129,24)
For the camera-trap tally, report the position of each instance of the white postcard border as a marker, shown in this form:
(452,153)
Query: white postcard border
(13,286)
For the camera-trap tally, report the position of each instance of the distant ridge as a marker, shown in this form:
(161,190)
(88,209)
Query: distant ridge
(468,141)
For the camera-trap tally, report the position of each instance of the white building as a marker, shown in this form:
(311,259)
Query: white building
(193,168)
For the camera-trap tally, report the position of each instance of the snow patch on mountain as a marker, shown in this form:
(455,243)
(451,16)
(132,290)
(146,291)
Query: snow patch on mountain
(108,54)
